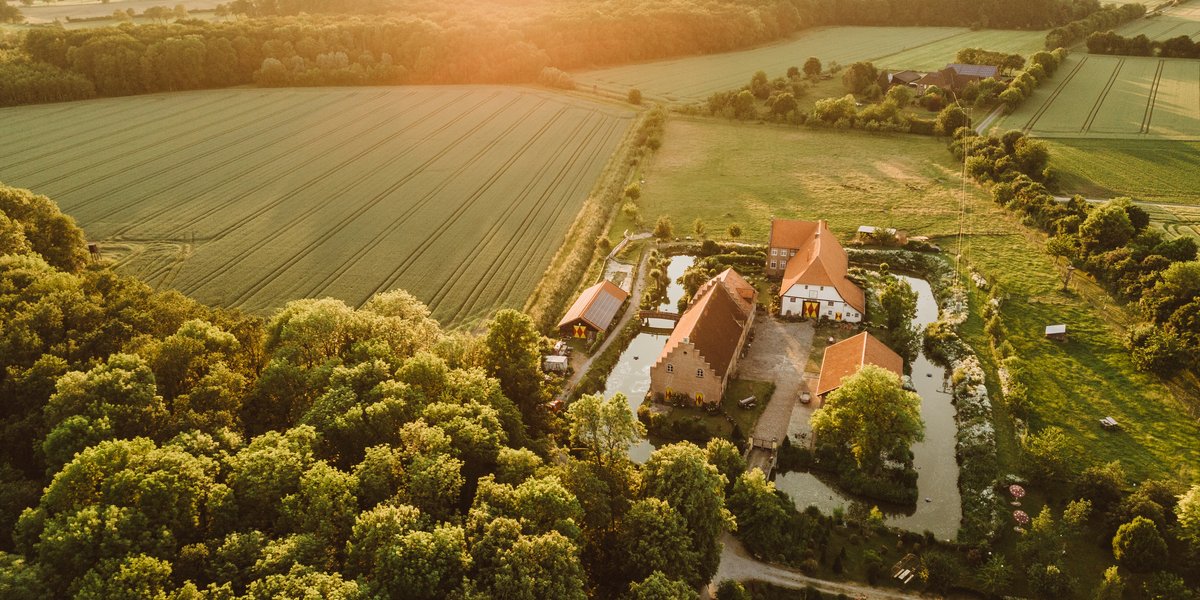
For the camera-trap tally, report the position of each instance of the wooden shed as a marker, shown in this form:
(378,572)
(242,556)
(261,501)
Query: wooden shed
(1057,333)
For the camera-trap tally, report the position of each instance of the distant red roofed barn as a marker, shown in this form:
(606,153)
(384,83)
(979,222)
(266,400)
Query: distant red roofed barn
(813,268)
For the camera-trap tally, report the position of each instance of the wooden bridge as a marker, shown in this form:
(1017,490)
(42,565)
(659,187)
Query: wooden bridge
(764,454)
(658,314)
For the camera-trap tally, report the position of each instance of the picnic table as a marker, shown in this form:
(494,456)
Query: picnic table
(1109,423)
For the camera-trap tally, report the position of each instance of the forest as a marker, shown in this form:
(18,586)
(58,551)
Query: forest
(151,446)
(483,42)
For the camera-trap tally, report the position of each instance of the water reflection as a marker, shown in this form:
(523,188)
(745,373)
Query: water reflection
(631,375)
(939,506)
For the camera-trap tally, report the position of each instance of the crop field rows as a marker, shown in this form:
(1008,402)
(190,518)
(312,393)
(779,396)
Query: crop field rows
(935,55)
(1173,22)
(1115,97)
(251,198)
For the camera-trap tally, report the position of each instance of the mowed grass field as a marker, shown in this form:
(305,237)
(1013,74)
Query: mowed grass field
(935,55)
(1173,22)
(725,173)
(1114,97)
(251,198)
(1153,171)
(694,78)
(729,173)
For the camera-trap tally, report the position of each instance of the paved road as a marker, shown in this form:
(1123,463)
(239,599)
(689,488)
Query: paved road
(736,563)
(630,312)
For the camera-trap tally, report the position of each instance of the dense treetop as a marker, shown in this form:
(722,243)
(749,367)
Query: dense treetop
(154,447)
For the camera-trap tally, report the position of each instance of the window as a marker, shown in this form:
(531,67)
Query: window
(773,264)
(829,303)
(699,372)
(774,251)
(670,368)
(793,252)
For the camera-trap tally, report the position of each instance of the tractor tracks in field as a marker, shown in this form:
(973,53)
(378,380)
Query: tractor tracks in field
(295,220)
(1112,80)
(530,216)
(181,201)
(584,154)
(427,197)
(106,118)
(1149,114)
(111,150)
(427,242)
(363,208)
(73,142)
(1053,96)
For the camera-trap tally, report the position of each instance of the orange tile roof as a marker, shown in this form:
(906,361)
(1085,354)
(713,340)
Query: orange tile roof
(714,322)
(846,357)
(596,306)
(819,260)
(741,290)
(786,233)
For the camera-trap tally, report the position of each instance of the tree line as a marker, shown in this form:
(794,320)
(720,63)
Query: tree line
(154,447)
(302,43)
(1110,42)
(1112,241)
(1103,19)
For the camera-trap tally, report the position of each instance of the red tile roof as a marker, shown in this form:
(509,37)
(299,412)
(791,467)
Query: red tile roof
(819,260)
(846,357)
(596,306)
(714,322)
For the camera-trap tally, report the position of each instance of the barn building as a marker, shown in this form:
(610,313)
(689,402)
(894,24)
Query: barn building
(956,77)
(593,311)
(702,353)
(846,357)
(812,266)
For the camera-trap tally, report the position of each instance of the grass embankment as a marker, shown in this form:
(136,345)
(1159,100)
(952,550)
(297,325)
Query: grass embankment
(729,173)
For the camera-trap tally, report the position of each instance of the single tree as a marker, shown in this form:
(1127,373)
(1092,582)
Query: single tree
(812,67)
(1138,545)
(654,538)
(681,475)
(635,96)
(605,428)
(511,355)
(663,229)
(949,120)
(871,416)
(1105,228)
(1188,512)
(660,587)
(698,227)
(1112,587)
(735,231)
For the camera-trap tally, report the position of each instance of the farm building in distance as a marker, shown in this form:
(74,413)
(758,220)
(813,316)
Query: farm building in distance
(955,77)
(846,357)
(593,310)
(813,267)
(702,352)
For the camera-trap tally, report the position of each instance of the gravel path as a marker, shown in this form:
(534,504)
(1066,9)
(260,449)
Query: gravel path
(736,563)
(779,354)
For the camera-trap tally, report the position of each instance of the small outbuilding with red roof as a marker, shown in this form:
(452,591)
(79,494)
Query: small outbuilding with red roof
(593,311)
(846,357)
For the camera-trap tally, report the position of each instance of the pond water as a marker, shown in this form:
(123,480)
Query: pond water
(939,506)
(631,375)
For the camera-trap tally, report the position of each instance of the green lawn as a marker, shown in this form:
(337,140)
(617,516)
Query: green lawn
(726,173)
